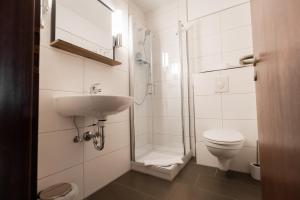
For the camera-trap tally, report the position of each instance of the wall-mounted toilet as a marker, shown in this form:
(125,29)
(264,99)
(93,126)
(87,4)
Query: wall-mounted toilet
(224,144)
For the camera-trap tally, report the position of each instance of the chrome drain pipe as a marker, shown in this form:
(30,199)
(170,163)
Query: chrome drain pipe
(98,137)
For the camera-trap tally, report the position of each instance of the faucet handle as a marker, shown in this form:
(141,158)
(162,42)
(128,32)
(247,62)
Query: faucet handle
(95,89)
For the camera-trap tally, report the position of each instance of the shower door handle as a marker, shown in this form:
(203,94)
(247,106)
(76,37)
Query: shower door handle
(249,60)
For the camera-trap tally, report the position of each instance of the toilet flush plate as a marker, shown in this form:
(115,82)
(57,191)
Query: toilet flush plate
(222,84)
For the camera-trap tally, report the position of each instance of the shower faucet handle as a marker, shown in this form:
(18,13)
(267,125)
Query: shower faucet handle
(95,88)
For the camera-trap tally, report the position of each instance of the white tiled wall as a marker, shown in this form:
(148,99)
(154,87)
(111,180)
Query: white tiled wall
(197,9)
(61,160)
(217,41)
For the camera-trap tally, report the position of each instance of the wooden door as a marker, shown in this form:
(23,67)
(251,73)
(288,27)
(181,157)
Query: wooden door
(276,36)
(19,85)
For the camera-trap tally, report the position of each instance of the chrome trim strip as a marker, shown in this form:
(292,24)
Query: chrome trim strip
(131,90)
(182,85)
(189,85)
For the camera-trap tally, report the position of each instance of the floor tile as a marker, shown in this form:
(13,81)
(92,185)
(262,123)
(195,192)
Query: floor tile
(184,191)
(191,172)
(149,185)
(235,190)
(115,191)
(237,177)
(194,182)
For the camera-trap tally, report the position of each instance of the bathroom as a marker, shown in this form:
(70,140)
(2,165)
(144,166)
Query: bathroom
(140,99)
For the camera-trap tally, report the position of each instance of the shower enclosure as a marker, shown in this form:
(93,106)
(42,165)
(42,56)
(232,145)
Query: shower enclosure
(160,126)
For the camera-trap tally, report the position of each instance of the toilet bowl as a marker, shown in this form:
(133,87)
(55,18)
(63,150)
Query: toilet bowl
(223,144)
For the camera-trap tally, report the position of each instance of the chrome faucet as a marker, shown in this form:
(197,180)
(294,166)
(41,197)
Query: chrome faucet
(95,89)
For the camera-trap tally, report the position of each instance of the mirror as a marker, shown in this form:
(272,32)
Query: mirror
(86,24)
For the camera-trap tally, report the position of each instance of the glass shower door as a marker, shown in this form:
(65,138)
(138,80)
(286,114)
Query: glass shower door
(159,118)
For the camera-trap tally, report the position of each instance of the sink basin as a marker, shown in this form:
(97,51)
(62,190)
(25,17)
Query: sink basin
(97,106)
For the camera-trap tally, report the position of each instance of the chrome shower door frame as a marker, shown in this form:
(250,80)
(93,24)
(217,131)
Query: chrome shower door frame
(132,82)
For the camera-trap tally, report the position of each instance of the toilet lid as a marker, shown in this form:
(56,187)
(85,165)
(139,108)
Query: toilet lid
(223,135)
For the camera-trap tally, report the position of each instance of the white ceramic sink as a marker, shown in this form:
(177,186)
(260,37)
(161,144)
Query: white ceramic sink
(97,106)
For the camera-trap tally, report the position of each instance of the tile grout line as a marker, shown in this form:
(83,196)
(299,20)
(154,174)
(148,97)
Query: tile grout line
(60,171)
(133,189)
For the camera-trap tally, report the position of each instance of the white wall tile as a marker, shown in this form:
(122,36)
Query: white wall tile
(208,107)
(209,25)
(166,89)
(246,127)
(102,170)
(168,140)
(159,108)
(204,125)
(117,135)
(198,9)
(58,152)
(60,71)
(207,63)
(232,58)
(174,107)
(119,117)
(72,175)
(171,125)
(239,106)
(240,80)
(142,140)
(204,84)
(237,39)
(243,159)
(236,17)
(145,109)
(96,72)
(205,46)
(204,157)
(49,119)
(46,31)
(122,56)
(178,150)
(142,125)
(163,17)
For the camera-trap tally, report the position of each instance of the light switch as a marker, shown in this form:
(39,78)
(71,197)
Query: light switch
(222,84)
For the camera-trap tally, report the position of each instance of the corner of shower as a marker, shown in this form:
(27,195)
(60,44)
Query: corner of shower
(157,148)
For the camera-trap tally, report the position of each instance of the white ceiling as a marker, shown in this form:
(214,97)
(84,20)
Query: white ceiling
(149,5)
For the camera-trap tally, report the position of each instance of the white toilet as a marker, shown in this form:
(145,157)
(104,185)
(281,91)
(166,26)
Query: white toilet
(224,144)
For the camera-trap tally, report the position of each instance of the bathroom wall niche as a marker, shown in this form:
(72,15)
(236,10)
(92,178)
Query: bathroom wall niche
(83,27)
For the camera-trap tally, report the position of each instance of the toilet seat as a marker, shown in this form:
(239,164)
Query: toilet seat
(223,136)
(224,144)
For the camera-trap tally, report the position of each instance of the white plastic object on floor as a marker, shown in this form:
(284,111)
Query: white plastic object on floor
(255,171)
(72,195)
(163,162)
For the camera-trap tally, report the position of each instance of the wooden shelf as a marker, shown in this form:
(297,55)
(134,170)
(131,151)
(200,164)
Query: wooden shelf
(66,46)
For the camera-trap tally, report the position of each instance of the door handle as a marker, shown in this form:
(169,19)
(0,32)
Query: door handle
(249,60)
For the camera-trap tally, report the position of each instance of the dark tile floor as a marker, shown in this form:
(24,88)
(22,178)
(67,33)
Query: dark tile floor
(194,182)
